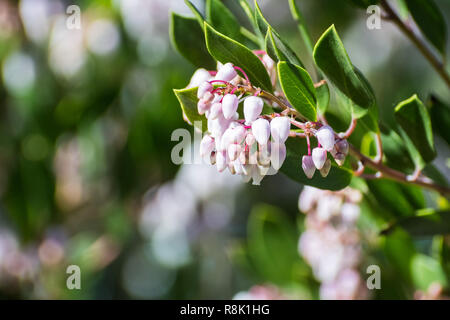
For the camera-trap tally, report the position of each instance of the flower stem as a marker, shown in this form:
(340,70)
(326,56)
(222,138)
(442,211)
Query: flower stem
(392,174)
(419,43)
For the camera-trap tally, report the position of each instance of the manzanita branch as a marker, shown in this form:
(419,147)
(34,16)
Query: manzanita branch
(376,164)
(389,173)
(418,42)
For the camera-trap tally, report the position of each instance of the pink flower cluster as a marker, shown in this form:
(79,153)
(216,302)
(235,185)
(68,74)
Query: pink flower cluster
(338,148)
(331,241)
(251,147)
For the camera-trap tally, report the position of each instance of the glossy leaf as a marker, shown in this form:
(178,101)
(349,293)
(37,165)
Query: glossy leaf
(331,57)
(440,117)
(187,37)
(278,50)
(323,97)
(225,49)
(430,21)
(415,123)
(223,20)
(188,102)
(431,224)
(249,12)
(196,12)
(299,89)
(272,244)
(337,179)
(426,271)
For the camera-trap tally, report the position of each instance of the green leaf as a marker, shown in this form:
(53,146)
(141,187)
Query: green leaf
(276,48)
(323,97)
(425,271)
(415,123)
(363,4)
(430,21)
(223,20)
(440,118)
(337,179)
(188,102)
(391,197)
(331,57)
(249,12)
(225,49)
(187,37)
(301,25)
(272,244)
(298,88)
(279,50)
(395,151)
(430,224)
(196,12)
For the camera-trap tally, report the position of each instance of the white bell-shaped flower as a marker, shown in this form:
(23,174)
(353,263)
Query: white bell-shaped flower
(233,151)
(277,154)
(257,175)
(342,146)
(215,110)
(308,166)
(206,145)
(326,168)
(280,127)
(226,72)
(252,108)
(229,105)
(339,158)
(218,126)
(250,138)
(319,156)
(261,130)
(221,161)
(203,88)
(203,106)
(233,135)
(200,75)
(325,136)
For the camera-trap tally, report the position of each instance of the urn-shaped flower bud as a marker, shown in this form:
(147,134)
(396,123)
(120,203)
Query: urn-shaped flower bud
(342,146)
(215,110)
(280,127)
(261,130)
(277,154)
(218,126)
(326,168)
(229,105)
(252,108)
(226,72)
(308,166)
(206,145)
(233,135)
(200,75)
(319,156)
(203,88)
(221,160)
(250,139)
(263,155)
(233,151)
(257,176)
(325,136)
(339,158)
(203,106)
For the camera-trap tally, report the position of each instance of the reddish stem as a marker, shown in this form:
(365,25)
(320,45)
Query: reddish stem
(243,72)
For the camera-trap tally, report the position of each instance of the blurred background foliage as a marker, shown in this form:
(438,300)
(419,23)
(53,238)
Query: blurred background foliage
(86,178)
